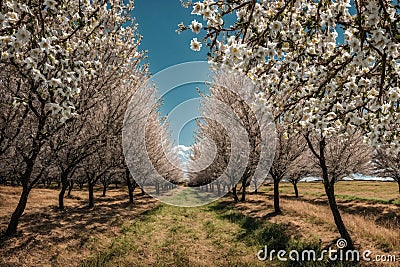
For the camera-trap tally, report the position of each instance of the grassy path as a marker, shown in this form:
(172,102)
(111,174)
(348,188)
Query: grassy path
(213,235)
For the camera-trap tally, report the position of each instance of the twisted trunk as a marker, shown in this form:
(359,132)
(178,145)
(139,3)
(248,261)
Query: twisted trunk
(13,224)
(26,188)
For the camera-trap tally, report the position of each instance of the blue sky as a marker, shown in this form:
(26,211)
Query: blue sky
(158,20)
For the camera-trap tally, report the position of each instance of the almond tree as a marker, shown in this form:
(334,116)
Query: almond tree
(102,132)
(221,91)
(76,142)
(294,51)
(289,150)
(237,130)
(12,116)
(336,157)
(131,184)
(213,151)
(210,158)
(315,79)
(299,171)
(51,48)
(160,152)
(387,165)
(101,164)
(147,145)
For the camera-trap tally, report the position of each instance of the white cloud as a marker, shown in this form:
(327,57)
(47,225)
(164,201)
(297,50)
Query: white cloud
(184,153)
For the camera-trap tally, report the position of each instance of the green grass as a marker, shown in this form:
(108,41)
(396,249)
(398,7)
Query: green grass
(219,234)
(174,236)
(214,235)
(188,197)
(396,202)
(254,232)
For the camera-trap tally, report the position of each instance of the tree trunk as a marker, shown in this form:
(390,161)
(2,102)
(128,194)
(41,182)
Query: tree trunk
(61,198)
(130,186)
(330,192)
(64,182)
(130,191)
(91,194)
(277,207)
(70,186)
(243,199)
(26,188)
(296,190)
(104,189)
(235,196)
(329,185)
(13,224)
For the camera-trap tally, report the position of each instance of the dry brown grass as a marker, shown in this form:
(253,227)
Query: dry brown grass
(48,237)
(363,189)
(362,227)
(374,226)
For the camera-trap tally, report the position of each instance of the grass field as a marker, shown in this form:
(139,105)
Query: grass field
(220,234)
(377,192)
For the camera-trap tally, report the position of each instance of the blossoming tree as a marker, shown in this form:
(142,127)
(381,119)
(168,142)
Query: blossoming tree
(324,66)
(387,165)
(51,48)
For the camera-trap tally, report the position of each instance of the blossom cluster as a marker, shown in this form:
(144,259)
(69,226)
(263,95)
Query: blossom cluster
(55,46)
(325,66)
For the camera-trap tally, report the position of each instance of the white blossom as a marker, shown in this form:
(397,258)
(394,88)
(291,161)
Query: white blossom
(195,45)
(196,26)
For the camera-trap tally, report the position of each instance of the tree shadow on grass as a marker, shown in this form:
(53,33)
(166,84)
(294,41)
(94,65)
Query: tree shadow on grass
(254,231)
(261,233)
(384,214)
(75,226)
